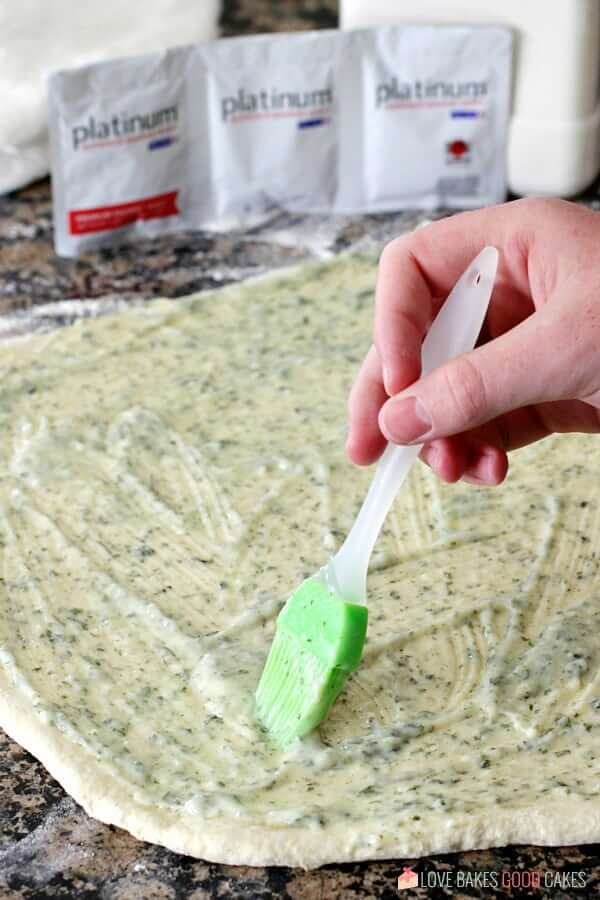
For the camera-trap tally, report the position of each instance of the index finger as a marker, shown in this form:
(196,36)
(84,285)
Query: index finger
(419,269)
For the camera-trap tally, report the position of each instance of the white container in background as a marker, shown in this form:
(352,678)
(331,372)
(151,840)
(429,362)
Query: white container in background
(554,138)
(38,36)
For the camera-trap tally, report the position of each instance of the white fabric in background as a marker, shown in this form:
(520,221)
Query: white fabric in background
(38,36)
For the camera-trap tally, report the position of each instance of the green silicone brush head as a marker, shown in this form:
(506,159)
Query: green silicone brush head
(318,643)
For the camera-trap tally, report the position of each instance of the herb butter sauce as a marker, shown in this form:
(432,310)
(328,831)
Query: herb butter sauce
(167,477)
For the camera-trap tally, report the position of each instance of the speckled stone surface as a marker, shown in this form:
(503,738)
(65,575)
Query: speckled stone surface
(48,846)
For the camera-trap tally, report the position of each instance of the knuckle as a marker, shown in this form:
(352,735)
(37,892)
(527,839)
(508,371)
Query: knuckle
(466,390)
(538,208)
(413,321)
(393,250)
(580,351)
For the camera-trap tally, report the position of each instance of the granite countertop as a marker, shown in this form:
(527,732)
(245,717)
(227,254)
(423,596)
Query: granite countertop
(48,846)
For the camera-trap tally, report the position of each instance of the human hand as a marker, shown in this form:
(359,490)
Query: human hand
(537,369)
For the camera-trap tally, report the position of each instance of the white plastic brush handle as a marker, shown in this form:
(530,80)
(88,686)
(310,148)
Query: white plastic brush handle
(454,331)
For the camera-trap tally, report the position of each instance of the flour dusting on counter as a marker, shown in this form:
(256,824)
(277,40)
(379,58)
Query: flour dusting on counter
(169,476)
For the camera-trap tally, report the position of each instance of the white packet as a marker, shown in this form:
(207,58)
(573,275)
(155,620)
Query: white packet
(120,134)
(218,135)
(270,125)
(434,118)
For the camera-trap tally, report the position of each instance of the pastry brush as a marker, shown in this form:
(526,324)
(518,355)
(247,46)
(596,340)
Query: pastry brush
(321,629)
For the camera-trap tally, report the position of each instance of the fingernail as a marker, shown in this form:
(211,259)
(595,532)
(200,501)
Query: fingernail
(431,456)
(387,380)
(405,420)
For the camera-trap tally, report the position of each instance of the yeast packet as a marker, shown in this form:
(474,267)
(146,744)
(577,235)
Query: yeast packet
(222,134)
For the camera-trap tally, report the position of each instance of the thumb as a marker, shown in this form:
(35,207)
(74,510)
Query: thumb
(523,366)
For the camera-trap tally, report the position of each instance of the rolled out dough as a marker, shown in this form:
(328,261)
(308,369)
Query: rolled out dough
(168,477)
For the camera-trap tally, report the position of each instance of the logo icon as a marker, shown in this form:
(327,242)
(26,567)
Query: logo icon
(458,151)
(408,879)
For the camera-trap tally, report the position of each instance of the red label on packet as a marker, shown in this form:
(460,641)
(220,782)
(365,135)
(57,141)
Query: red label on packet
(105,218)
